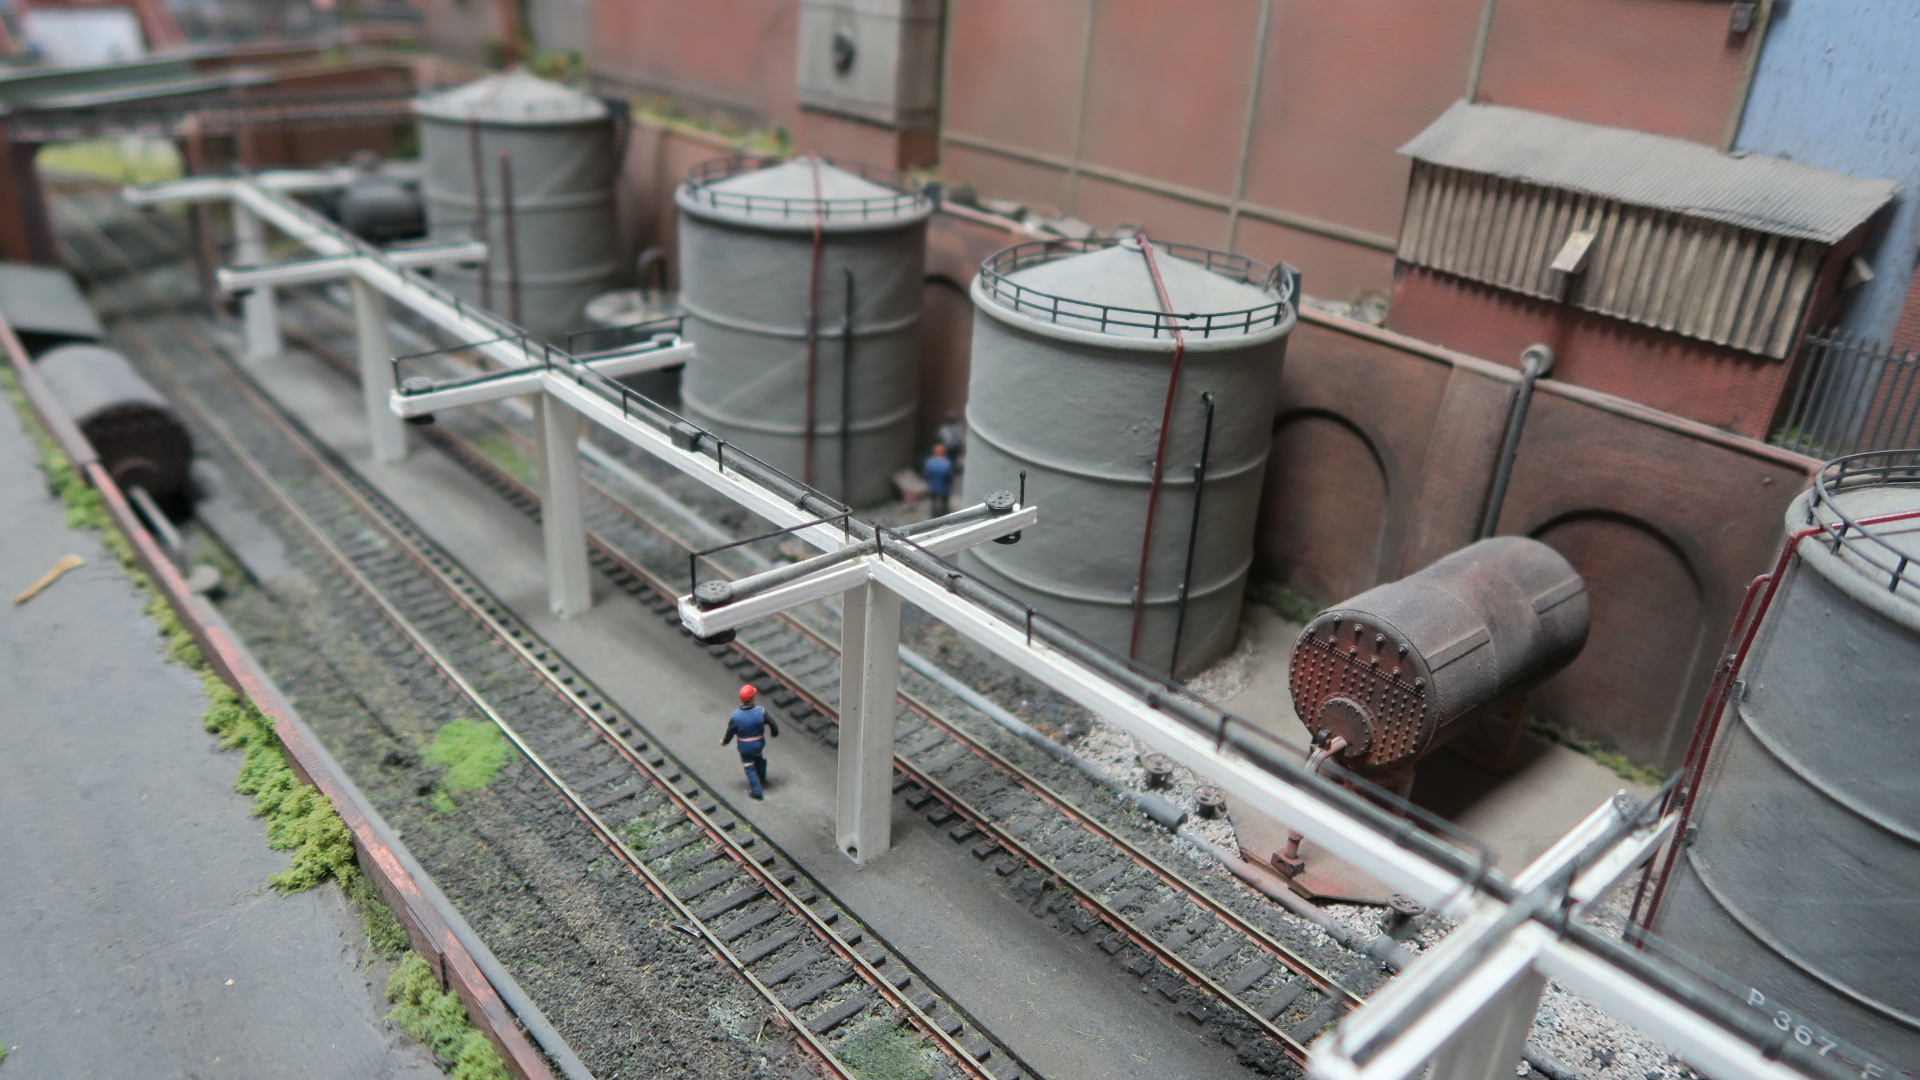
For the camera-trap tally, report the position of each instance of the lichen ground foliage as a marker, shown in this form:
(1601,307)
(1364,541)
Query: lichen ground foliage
(299,818)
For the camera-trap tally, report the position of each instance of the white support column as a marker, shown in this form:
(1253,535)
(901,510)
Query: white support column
(1490,1046)
(260,308)
(564,528)
(387,432)
(869,676)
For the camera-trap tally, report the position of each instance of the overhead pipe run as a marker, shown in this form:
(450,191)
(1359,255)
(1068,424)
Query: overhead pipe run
(1493,966)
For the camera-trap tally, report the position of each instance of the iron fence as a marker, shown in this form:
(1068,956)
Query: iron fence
(1854,397)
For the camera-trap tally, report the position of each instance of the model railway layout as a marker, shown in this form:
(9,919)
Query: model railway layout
(1207,955)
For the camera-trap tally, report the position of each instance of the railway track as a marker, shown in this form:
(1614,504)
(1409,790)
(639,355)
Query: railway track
(1242,981)
(721,882)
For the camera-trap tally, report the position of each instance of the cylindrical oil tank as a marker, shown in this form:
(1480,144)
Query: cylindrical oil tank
(801,280)
(613,312)
(1802,880)
(559,235)
(1073,362)
(140,439)
(1394,670)
(382,210)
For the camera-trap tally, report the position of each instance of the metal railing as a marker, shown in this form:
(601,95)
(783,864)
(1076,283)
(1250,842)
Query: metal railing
(1280,281)
(906,196)
(1870,551)
(1854,396)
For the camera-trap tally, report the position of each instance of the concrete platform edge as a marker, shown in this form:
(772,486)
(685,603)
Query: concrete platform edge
(380,855)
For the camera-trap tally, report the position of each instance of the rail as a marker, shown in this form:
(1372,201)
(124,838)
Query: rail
(1880,468)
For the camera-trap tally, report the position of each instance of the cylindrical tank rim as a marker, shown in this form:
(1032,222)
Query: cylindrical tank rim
(997,294)
(909,203)
(1862,565)
(1276,322)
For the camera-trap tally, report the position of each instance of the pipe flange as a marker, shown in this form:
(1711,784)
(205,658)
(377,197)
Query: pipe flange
(1344,718)
(1001,502)
(711,594)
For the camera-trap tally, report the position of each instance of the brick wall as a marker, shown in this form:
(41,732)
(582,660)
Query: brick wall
(1384,451)
(1722,387)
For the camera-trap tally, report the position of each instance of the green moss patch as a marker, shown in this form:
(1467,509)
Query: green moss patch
(437,1018)
(1622,766)
(1289,605)
(883,1050)
(471,752)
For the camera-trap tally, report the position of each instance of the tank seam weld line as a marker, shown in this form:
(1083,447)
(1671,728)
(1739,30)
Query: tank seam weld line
(1213,477)
(722,419)
(762,329)
(538,202)
(1806,776)
(566,277)
(1764,937)
(1125,600)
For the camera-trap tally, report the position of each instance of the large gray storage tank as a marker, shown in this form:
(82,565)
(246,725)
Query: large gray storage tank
(1803,879)
(141,441)
(561,144)
(763,243)
(1073,354)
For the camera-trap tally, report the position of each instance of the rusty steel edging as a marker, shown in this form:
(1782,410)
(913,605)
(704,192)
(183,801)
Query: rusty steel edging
(378,859)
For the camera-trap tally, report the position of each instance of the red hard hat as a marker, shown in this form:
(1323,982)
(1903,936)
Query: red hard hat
(746,694)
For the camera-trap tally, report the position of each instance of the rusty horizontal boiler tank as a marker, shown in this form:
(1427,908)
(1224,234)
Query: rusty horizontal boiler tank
(1395,670)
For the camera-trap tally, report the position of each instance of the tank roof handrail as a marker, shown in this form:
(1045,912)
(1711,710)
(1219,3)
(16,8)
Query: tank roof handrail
(996,271)
(907,195)
(1877,468)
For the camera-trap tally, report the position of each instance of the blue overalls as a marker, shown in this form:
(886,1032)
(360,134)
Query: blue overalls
(752,726)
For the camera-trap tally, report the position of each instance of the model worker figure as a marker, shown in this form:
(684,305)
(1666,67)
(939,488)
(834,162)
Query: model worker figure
(939,473)
(751,724)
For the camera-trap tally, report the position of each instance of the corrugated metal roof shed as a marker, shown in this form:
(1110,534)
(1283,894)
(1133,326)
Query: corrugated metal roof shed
(1769,195)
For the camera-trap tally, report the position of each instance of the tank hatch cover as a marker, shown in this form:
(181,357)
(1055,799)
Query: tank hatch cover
(512,97)
(1117,276)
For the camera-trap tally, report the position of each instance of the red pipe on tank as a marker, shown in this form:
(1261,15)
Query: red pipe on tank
(1706,729)
(813,327)
(1160,454)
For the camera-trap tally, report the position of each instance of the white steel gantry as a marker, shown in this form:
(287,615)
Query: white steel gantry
(1461,1012)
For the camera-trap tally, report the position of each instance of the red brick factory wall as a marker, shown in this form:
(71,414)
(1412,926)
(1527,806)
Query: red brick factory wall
(1383,455)
(1136,111)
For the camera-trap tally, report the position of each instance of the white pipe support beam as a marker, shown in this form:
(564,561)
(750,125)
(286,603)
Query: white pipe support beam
(869,687)
(251,274)
(260,308)
(386,432)
(563,526)
(834,580)
(255,277)
(416,255)
(1305,808)
(519,384)
(1478,1030)
(288,181)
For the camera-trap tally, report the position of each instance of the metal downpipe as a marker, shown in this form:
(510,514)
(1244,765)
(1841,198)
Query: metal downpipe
(1535,361)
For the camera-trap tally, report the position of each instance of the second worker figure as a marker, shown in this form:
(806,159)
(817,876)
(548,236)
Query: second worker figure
(751,725)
